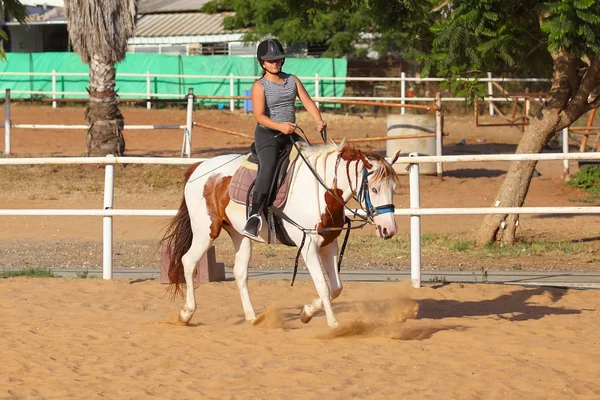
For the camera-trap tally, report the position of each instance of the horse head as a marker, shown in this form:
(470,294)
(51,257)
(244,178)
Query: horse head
(377,192)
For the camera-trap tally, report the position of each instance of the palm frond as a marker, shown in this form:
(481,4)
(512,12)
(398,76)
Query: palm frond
(101,27)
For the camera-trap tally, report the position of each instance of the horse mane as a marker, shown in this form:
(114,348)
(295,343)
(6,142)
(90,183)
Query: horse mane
(384,170)
(348,152)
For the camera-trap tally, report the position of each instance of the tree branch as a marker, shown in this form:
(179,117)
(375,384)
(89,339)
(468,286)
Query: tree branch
(560,92)
(588,82)
(440,6)
(593,104)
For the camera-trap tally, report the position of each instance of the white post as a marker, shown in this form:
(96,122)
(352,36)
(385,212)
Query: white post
(402,91)
(439,128)
(415,224)
(7,123)
(107,222)
(148,90)
(565,149)
(54,88)
(317,88)
(490,92)
(231,93)
(189,123)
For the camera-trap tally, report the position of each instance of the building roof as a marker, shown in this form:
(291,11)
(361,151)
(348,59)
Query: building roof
(165,6)
(181,24)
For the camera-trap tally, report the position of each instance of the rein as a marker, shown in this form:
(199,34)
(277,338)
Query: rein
(363,194)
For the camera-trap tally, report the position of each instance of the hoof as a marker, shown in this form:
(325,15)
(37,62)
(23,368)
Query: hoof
(304,317)
(257,320)
(184,317)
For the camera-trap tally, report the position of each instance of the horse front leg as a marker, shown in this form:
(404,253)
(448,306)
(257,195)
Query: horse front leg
(313,263)
(329,259)
(243,252)
(200,245)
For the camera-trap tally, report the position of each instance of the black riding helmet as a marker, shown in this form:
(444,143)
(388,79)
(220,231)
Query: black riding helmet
(270,50)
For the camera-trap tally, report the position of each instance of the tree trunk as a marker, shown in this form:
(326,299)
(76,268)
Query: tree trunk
(502,227)
(567,101)
(105,135)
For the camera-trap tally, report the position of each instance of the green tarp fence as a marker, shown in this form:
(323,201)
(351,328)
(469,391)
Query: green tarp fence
(163,64)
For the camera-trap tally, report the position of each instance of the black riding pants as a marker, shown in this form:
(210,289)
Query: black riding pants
(269,144)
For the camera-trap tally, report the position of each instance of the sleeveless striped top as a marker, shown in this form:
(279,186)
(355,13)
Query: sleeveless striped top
(280,98)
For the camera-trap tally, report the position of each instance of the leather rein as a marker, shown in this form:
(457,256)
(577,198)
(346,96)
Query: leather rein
(363,197)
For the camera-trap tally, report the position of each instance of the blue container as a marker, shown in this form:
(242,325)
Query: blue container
(248,103)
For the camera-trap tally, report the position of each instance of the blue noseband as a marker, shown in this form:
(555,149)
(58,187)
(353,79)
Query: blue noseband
(363,194)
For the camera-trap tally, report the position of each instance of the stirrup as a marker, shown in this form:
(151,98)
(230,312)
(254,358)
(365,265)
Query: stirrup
(258,228)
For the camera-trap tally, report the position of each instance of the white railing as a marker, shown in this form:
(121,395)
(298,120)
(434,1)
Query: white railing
(414,212)
(186,147)
(148,94)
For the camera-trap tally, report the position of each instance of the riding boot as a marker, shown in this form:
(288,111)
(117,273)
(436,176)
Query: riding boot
(254,222)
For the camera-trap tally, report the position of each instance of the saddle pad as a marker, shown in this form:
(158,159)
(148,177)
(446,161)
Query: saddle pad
(244,177)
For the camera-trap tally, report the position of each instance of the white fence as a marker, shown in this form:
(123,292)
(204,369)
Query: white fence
(186,147)
(403,79)
(414,211)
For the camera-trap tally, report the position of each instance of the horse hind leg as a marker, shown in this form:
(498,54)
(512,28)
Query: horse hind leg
(200,245)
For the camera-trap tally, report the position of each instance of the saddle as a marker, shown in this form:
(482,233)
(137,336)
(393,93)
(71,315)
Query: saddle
(242,182)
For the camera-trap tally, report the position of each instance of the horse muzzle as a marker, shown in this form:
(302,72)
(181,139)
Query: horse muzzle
(386,231)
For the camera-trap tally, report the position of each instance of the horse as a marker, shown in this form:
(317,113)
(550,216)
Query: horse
(320,188)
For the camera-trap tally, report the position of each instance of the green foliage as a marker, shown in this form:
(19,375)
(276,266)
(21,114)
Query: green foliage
(571,25)
(35,272)
(588,179)
(508,37)
(392,27)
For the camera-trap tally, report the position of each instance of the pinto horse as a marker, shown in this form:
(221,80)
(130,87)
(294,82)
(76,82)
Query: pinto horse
(321,185)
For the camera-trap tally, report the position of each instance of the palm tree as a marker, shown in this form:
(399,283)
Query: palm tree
(15,9)
(99,30)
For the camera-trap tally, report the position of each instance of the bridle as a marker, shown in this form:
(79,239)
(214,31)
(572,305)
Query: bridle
(364,196)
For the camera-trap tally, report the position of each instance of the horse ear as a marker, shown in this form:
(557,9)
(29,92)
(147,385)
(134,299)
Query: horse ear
(342,143)
(394,159)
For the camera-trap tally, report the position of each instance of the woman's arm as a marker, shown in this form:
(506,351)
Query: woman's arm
(310,105)
(258,106)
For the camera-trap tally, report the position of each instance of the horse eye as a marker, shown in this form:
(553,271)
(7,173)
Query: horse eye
(374,190)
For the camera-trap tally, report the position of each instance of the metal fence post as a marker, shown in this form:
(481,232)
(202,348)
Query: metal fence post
(415,224)
(148,90)
(402,91)
(490,92)
(54,88)
(189,123)
(565,149)
(231,93)
(7,123)
(107,222)
(439,129)
(317,88)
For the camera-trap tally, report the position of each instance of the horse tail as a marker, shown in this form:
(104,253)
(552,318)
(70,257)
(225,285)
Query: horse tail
(178,240)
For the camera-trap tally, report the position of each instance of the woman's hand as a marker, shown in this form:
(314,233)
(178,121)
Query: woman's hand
(287,128)
(321,125)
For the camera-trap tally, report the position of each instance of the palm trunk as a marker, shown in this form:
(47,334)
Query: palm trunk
(105,135)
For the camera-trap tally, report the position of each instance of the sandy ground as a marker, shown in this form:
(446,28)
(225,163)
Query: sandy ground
(88,338)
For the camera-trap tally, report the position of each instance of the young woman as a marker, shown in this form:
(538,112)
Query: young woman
(273,98)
